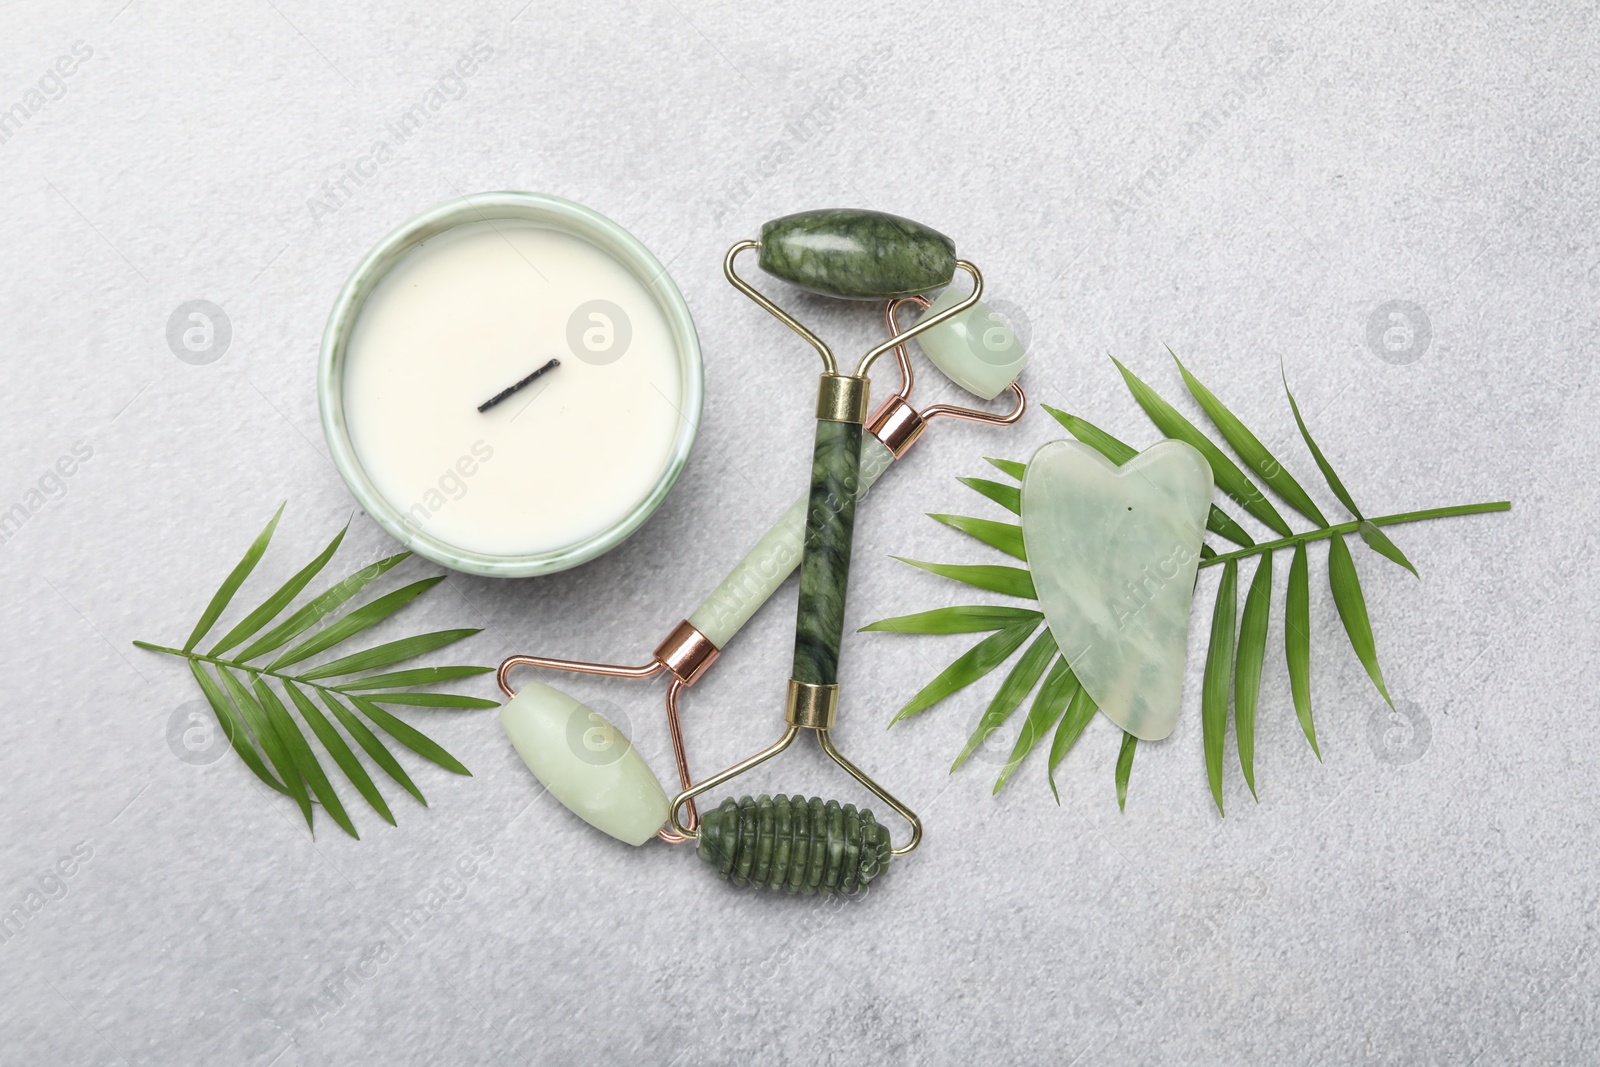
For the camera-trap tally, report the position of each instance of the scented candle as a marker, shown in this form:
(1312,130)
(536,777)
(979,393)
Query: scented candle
(510,384)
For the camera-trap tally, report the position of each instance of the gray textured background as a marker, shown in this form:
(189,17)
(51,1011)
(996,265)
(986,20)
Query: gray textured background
(1249,186)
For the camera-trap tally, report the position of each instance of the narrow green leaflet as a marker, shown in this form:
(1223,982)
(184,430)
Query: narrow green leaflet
(1247,665)
(1006,536)
(408,735)
(1012,581)
(321,607)
(1379,542)
(1217,521)
(1297,642)
(336,747)
(973,664)
(1007,496)
(372,746)
(1117,451)
(369,614)
(230,584)
(1352,607)
(432,700)
(1130,744)
(1009,466)
(275,603)
(1018,683)
(1375,538)
(1219,677)
(1230,479)
(1047,709)
(1316,453)
(233,727)
(300,752)
(1080,710)
(966,619)
(389,653)
(416,676)
(273,745)
(1249,447)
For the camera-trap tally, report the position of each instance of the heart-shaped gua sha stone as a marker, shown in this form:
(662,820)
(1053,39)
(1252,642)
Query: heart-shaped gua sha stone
(1113,552)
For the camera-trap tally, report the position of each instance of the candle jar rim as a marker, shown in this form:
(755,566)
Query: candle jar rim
(552,212)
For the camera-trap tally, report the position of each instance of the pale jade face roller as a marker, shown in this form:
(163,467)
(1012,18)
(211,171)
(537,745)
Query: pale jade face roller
(853,254)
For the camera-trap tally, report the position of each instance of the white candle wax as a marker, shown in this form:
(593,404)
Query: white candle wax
(472,311)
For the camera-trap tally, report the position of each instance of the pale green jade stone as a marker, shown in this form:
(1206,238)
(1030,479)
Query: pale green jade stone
(976,348)
(586,763)
(774,558)
(1113,553)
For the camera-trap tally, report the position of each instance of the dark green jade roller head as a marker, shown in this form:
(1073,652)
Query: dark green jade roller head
(794,844)
(857,255)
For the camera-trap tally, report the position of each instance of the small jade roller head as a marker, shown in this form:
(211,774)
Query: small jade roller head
(856,254)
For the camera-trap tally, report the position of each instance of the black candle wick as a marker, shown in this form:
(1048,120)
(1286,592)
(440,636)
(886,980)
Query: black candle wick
(502,394)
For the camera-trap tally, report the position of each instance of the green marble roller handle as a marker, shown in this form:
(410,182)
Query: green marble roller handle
(825,566)
(856,254)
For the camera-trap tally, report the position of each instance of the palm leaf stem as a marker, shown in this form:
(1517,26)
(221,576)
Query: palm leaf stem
(1355,527)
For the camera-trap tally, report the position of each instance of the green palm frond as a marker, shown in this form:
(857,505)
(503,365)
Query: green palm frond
(1236,648)
(257,720)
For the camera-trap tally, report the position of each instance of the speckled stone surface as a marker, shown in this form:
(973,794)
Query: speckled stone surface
(1395,200)
(856,253)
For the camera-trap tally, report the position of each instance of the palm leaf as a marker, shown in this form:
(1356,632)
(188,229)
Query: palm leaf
(1375,538)
(274,746)
(1230,479)
(301,753)
(1009,466)
(1379,542)
(1080,709)
(323,606)
(973,664)
(390,653)
(1297,642)
(1323,465)
(366,615)
(1011,581)
(1218,677)
(233,727)
(1249,447)
(230,584)
(372,746)
(416,676)
(1247,665)
(1006,536)
(1007,496)
(275,603)
(1047,709)
(408,735)
(1130,744)
(1352,607)
(262,727)
(967,619)
(431,700)
(336,747)
(1018,683)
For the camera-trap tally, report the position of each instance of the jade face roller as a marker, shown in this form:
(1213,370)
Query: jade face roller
(972,349)
(790,842)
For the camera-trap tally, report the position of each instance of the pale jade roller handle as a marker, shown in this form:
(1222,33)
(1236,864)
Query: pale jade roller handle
(774,558)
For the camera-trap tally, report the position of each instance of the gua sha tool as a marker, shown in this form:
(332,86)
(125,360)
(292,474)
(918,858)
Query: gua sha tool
(696,643)
(1113,553)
